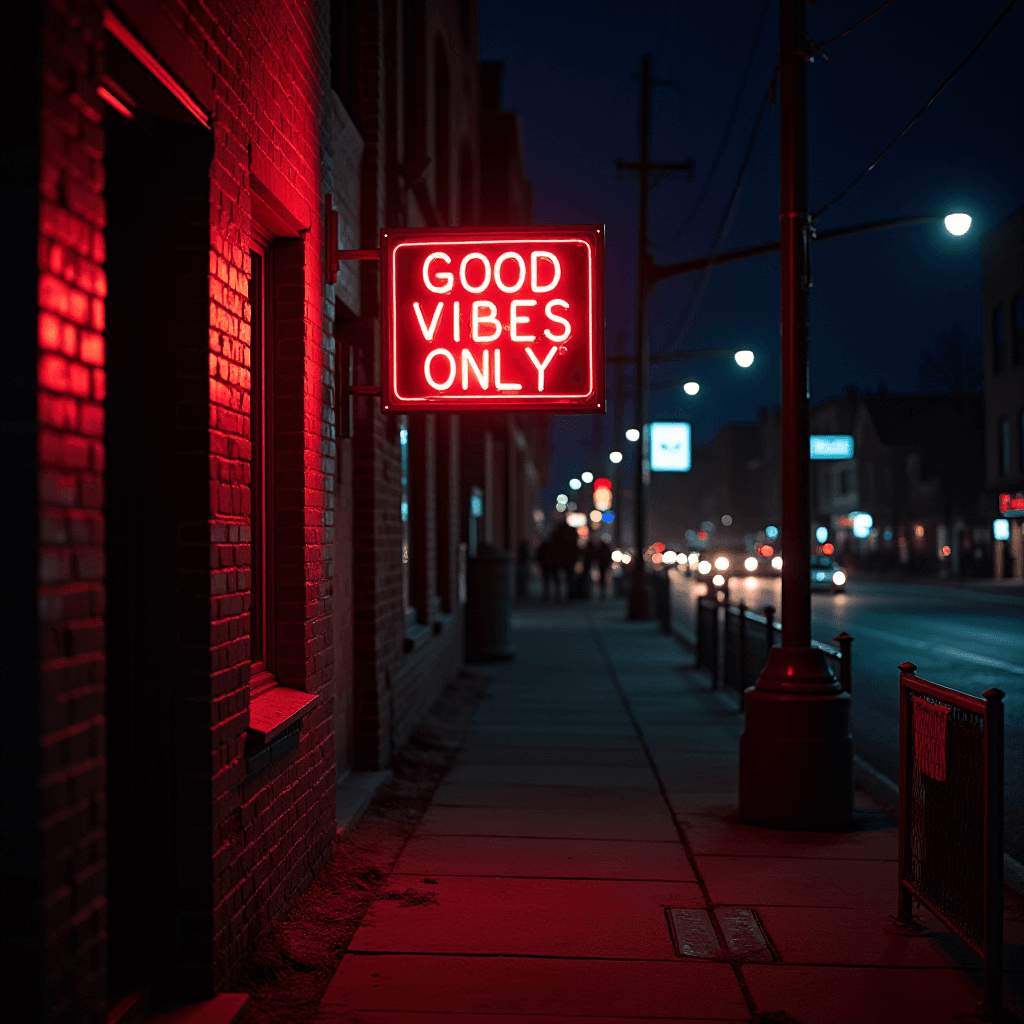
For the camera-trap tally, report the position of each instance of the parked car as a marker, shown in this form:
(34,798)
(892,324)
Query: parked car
(827,574)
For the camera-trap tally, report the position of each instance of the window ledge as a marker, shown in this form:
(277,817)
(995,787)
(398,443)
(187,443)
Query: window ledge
(416,636)
(274,710)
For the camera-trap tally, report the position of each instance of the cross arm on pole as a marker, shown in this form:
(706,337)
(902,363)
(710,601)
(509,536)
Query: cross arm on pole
(659,272)
(634,165)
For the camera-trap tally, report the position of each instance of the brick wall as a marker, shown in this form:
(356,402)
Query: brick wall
(71,289)
(244,843)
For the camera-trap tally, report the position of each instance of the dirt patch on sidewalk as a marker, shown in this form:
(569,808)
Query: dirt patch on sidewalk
(296,959)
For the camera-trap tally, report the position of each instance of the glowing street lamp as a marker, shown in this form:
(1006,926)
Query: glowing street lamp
(632,434)
(575,484)
(615,457)
(744,358)
(691,387)
(587,477)
(957,223)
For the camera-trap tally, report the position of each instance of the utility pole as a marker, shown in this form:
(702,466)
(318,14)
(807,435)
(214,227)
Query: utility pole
(638,603)
(620,396)
(796,753)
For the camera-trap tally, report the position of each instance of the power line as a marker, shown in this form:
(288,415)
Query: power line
(931,99)
(698,292)
(856,24)
(726,135)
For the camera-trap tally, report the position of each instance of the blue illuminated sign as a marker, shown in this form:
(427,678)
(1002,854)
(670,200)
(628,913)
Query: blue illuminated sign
(670,447)
(831,446)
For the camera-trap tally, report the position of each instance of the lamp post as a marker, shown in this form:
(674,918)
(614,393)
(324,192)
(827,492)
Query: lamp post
(796,752)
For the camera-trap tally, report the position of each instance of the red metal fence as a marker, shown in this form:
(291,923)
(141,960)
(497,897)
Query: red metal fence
(733,644)
(951,816)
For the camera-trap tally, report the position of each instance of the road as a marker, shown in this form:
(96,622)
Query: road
(968,639)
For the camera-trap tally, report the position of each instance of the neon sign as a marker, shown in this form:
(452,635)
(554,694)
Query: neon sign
(831,446)
(670,447)
(1011,504)
(487,319)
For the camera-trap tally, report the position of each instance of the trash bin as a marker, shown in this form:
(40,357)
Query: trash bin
(490,583)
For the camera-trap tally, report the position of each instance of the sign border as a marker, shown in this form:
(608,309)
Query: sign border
(392,238)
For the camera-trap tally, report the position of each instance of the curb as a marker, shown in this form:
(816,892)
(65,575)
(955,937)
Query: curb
(887,793)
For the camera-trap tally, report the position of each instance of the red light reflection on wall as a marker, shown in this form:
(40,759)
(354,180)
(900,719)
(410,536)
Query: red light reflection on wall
(487,319)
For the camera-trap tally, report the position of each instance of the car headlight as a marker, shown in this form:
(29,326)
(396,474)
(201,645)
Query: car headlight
(718,580)
(777,562)
(750,564)
(721,563)
(839,577)
(704,567)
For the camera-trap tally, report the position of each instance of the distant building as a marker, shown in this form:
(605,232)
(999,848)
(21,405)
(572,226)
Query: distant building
(1002,262)
(915,472)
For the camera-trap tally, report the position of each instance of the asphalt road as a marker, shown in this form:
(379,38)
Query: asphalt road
(966,639)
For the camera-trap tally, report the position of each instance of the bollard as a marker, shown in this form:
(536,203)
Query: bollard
(845,668)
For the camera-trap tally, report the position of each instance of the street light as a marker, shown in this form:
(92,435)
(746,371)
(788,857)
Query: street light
(691,387)
(744,358)
(615,457)
(587,478)
(957,223)
(632,434)
(575,484)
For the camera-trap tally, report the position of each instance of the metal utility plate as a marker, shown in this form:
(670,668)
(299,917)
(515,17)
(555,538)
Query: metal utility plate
(694,935)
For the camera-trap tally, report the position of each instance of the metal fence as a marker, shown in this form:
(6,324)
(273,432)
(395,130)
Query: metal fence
(733,644)
(951,816)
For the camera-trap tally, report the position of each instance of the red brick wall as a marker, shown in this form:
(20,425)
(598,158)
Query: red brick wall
(71,291)
(246,843)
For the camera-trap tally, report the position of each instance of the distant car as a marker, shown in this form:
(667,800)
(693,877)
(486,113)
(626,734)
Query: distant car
(827,575)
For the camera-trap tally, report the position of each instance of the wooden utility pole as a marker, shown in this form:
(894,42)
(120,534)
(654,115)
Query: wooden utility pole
(638,604)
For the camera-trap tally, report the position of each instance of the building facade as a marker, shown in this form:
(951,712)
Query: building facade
(1002,261)
(235,581)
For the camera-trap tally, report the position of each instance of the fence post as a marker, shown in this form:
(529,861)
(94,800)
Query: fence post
(905,910)
(845,669)
(741,659)
(714,645)
(993,979)
(700,645)
(769,625)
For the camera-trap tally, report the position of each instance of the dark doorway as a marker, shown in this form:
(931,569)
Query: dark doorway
(157,240)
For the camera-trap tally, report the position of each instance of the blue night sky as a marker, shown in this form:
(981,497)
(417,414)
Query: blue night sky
(880,299)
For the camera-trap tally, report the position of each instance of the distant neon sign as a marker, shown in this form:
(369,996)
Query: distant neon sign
(670,447)
(481,319)
(1011,504)
(831,446)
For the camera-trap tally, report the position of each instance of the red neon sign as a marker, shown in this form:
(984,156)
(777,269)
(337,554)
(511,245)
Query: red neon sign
(1011,502)
(487,318)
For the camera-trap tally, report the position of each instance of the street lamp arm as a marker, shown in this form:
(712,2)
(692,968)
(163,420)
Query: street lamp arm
(707,353)
(675,357)
(657,272)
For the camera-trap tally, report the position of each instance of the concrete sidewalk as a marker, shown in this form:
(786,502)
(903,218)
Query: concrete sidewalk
(595,792)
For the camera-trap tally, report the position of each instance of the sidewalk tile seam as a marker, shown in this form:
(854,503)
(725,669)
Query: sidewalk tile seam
(682,960)
(548,878)
(583,839)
